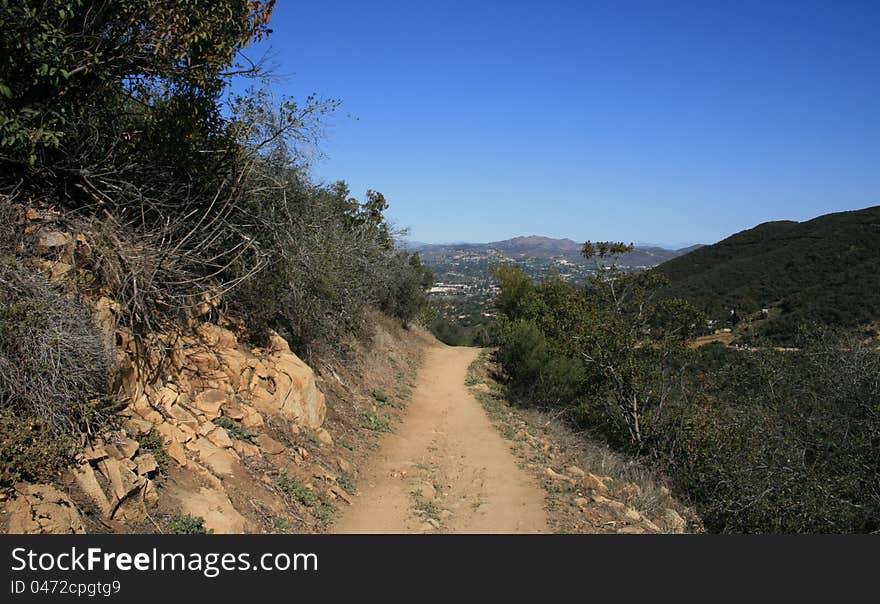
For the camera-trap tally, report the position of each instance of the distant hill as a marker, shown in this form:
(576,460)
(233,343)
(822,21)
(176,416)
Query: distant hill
(824,270)
(535,247)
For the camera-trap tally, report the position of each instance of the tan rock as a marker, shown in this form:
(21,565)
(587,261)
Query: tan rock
(146,464)
(323,437)
(127,446)
(632,515)
(165,397)
(95,453)
(302,401)
(182,416)
(214,506)
(58,270)
(122,480)
(344,465)
(203,361)
(245,449)
(263,400)
(277,344)
(138,426)
(176,452)
(217,459)
(220,437)
(217,336)
(651,526)
(209,402)
(269,445)
(574,471)
(232,410)
(42,509)
(481,388)
(188,431)
(170,432)
(341,494)
(591,482)
(611,503)
(552,475)
(85,479)
(252,420)
(47,240)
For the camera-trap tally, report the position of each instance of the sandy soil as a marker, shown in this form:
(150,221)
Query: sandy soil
(445,468)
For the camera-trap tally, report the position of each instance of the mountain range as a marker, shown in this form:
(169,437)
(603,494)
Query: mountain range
(536,247)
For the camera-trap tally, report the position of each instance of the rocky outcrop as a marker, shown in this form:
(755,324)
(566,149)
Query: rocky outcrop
(208,426)
(38,509)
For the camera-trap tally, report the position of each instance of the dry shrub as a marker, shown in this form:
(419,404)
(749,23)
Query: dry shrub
(53,375)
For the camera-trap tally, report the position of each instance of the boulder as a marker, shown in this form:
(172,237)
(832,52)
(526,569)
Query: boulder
(219,460)
(591,482)
(302,400)
(123,482)
(42,509)
(214,506)
(209,402)
(220,437)
(552,475)
(146,464)
(269,445)
(574,471)
(216,335)
(323,437)
(127,446)
(176,452)
(85,479)
(232,410)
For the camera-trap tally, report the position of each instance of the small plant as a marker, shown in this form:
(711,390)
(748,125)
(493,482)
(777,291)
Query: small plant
(427,508)
(380,397)
(346,483)
(296,490)
(282,525)
(371,421)
(235,429)
(152,442)
(184,524)
(324,512)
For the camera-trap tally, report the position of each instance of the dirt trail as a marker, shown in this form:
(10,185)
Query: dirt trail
(445,468)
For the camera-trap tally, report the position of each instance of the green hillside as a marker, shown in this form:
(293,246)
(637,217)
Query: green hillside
(824,270)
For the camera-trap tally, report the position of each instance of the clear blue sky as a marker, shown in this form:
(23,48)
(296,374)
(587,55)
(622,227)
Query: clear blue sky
(656,121)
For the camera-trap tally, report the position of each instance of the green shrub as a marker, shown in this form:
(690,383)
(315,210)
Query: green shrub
(184,524)
(235,428)
(757,440)
(374,422)
(152,442)
(296,490)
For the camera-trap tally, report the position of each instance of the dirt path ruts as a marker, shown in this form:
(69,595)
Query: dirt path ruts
(445,468)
